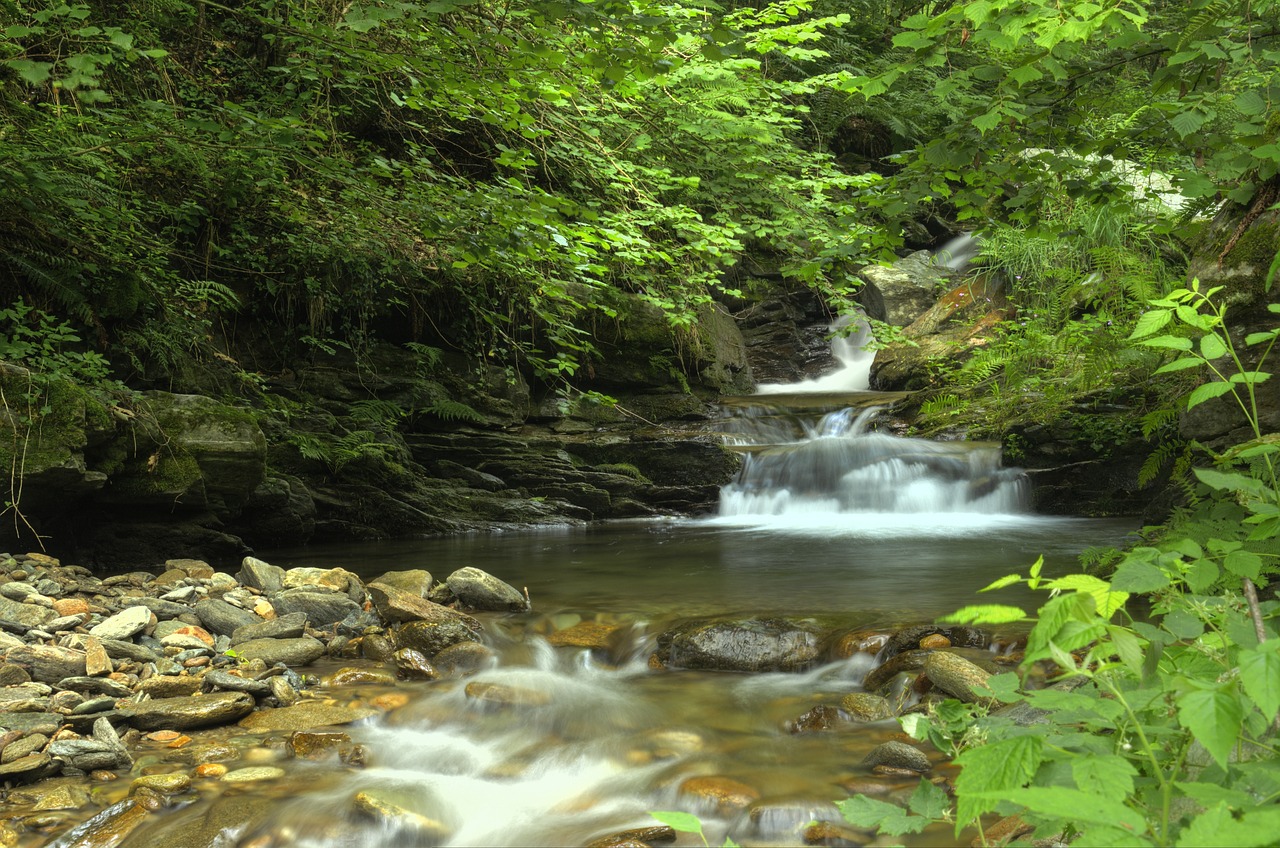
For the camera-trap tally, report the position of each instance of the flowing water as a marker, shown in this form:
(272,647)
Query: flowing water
(830,522)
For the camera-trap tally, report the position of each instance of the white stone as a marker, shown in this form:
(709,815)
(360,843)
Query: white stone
(123,625)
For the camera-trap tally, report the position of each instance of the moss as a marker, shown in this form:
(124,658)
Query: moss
(626,469)
(163,475)
(42,423)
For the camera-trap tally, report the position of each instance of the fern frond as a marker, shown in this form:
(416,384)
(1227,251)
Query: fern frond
(452,410)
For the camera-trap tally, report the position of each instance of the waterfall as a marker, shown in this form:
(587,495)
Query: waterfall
(811,453)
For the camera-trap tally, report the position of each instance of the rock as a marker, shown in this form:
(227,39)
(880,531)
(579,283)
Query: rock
(289,626)
(189,713)
(752,645)
(330,579)
(223,618)
(316,744)
(188,636)
(395,817)
(164,610)
(414,581)
(118,650)
(302,650)
(377,647)
(865,706)
(12,675)
(23,747)
(898,755)
(430,637)
(201,825)
(958,635)
(638,836)
(70,606)
(482,591)
(25,768)
(1003,832)
(396,605)
(463,659)
(282,690)
(304,716)
(360,676)
(501,695)
(260,575)
(414,665)
(107,829)
(934,642)
(253,774)
(584,634)
(97,663)
(49,663)
(217,679)
(902,292)
(905,661)
(163,686)
(726,794)
(321,608)
(819,718)
(23,616)
(165,784)
(956,676)
(95,686)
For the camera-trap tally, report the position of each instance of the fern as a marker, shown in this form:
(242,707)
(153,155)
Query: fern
(452,410)
(381,413)
(936,407)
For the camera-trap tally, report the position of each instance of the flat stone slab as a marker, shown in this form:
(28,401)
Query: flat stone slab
(304,716)
(190,712)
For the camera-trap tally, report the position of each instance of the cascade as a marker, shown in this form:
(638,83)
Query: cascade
(811,450)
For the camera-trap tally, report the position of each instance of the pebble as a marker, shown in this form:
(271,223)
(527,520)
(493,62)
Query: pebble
(253,774)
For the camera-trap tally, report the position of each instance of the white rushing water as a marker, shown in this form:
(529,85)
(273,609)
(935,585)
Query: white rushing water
(847,347)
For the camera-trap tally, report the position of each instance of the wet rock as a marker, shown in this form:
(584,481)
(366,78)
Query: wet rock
(360,676)
(317,744)
(292,652)
(956,676)
(414,665)
(832,835)
(817,719)
(934,642)
(253,774)
(432,636)
(23,747)
(959,636)
(724,794)
(463,659)
(225,680)
(506,696)
(107,829)
(752,645)
(289,626)
(260,575)
(636,836)
(199,825)
(865,706)
(170,685)
(482,591)
(393,815)
(328,579)
(164,784)
(778,819)
(95,686)
(25,768)
(1003,832)
(907,661)
(584,634)
(283,691)
(223,618)
(123,625)
(398,605)
(898,755)
(188,713)
(304,716)
(900,293)
(377,647)
(321,608)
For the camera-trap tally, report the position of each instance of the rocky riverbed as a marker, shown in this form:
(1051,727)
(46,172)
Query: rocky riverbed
(145,709)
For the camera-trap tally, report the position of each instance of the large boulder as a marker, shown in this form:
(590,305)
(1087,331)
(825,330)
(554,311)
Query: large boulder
(900,293)
(752,644)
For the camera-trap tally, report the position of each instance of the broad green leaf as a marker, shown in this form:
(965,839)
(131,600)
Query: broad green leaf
(1110,776)
(1212,346)
(677,820)
(1243,564)
(1258,338)
(1260,676)
(1214,718)
(1134,575)
(1218,828)
(890,819)
(1149,322)
(1250,377)
(1004,687)
(1187,122)
(1202,574)
(1106,599)
(929,801)
(1209,794)
(1072,805)
(1007,580)
(1231,482)
(995,768)
(1208,391)
(32,72)
(1128,648)
(1180,364)
(1171,342)
(985,614)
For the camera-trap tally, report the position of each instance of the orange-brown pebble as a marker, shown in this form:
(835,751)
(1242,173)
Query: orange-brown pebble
(180,742)
(163,736)
(70,606)
(390,701)
(102,775)
(935,641)
(195,662)
(656,663)
(859,642)
(728,794)
(195,632)
(210,770)
(1003,832)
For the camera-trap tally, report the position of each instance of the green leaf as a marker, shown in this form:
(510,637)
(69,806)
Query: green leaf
(1225,481)
(929,801)
(1172,342)
(1208,391)
(1007,580)
(1209,794)
(1149,322)
(1187,122)
(1217,828)
(890,819)
(1212,346)
(1243,564)
(1181,364)
(1214,718)
(1135,575)
(1128,648)
(1072,805)
(985,614)
(676,820)
(1109,776)
(995,768)
(1258,338)
(32,72)
(1260,676)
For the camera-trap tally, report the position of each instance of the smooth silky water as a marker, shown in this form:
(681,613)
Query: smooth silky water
(829,520)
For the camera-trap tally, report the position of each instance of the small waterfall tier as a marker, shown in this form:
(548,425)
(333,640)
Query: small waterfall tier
(839,466)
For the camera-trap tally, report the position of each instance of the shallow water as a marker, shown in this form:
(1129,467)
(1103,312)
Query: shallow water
(599,746)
